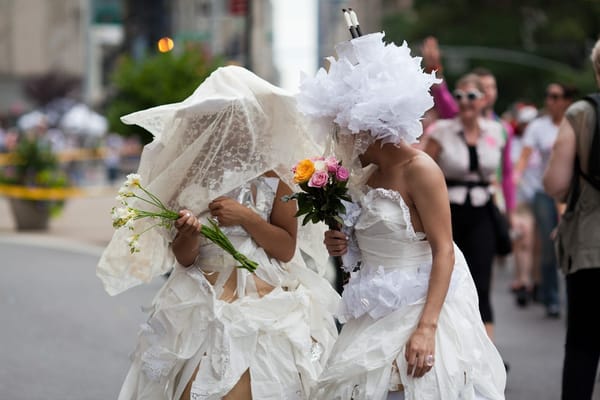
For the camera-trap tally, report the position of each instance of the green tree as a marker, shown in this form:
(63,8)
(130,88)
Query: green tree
(526,43)
(160,79)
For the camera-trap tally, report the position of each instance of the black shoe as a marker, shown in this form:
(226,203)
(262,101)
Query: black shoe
(522,297)
(536,294)
(553,311)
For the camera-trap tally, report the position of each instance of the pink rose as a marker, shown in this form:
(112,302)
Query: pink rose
(332,164)
(342,174)
(319,179)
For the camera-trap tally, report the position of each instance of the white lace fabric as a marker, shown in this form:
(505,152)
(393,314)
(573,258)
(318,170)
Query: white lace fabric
(232,129)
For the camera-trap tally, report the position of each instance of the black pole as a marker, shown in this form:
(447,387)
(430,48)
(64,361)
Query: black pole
(248,40)
(341,276)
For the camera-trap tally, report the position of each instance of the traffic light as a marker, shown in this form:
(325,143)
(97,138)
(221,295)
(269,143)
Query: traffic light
(238,7)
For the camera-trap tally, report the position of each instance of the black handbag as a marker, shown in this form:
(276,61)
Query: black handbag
(501,229)
(501,225)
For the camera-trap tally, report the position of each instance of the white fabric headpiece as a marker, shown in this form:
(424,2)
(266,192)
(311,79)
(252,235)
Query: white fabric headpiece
(233,128)
(372,87)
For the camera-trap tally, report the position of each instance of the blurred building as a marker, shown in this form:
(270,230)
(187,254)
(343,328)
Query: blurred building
(82,38)
(239,30)
(70,37)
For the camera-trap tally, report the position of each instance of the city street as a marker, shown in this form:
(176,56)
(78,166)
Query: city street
(64,338)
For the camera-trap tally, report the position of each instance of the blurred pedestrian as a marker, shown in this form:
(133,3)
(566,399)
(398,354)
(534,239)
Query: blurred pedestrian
(447,107)
(112,159)
(539,136)
(505,171)
(572,177)
(468,149)
(522,220)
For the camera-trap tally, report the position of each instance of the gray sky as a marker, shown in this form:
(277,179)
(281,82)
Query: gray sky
(294,40)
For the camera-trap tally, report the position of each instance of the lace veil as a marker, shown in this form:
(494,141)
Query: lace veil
(233,128)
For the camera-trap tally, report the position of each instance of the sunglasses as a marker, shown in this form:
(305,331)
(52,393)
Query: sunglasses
(554,96)
(471,95)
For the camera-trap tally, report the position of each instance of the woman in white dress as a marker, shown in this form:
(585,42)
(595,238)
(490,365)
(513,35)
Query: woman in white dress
(412,328)
(216,331)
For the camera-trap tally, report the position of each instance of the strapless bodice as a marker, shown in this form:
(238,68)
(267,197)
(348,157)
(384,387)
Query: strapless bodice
(395,260)
(385,233)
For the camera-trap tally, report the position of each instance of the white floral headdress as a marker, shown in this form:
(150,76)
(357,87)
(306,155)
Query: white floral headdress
(371,87)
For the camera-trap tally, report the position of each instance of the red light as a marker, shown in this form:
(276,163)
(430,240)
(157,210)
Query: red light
(238,7)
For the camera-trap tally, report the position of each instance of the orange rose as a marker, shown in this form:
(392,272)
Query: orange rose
(304,171)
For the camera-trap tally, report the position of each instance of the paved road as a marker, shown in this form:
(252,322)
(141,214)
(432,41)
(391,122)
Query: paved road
(529,342)
(62,337)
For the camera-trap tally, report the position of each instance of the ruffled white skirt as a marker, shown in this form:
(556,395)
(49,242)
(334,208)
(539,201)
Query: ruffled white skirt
(282,338)
(467,364)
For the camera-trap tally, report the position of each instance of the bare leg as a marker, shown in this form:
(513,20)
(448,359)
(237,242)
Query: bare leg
(395,395)
(524,249)
(489,329)
(241,390)
(186,392)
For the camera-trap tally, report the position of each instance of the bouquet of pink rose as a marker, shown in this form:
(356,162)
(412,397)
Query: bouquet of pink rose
(324,183)
(126,215)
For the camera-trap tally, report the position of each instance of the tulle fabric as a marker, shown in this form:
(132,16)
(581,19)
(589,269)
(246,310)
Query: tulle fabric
(382,304)
(371,86)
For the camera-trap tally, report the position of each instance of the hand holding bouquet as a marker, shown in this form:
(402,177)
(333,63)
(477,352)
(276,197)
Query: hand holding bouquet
(324,184)
(126,215)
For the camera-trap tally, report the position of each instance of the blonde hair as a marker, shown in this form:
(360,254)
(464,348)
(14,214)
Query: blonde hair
(470,79)
(595,57)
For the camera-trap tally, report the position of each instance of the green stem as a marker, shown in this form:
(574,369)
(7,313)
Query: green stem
(144,199)
(153,197)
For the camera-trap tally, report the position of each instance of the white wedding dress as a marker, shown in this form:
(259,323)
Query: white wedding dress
(381,306)
(283,338)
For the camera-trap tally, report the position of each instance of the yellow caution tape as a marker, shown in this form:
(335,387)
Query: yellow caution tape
(39,193)
(63,156)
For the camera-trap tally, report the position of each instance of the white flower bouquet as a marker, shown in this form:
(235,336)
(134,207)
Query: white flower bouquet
(124,217)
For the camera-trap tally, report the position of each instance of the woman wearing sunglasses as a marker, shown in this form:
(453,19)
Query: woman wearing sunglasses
(468,148)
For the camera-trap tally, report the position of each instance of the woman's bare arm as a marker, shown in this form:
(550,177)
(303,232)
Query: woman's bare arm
(187,241)
(277,237)
(521,164)
(427,190)
(559,172)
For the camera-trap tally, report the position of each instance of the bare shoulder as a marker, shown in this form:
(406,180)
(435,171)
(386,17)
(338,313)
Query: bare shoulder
(421,165)
(423,177)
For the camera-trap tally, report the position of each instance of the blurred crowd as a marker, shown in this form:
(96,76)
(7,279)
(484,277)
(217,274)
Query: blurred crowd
(518,154)
(532,167)
(75,135)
